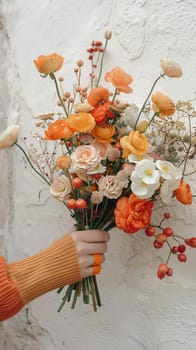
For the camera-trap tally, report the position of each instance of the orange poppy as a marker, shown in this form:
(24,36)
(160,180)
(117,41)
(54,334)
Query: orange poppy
(97,95)
(101,112)
(135,143)
(48,64)
(103,133)
(58,130)
(81,122)
(120,79)
(162,104)
(183,193)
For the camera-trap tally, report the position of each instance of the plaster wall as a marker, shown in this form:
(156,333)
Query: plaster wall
(139,312)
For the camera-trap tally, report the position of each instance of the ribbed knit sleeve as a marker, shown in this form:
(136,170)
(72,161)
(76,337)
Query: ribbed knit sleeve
(27,279)
(10,300)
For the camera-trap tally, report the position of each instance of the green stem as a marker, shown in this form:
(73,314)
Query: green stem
(32,166)
(101,64)
(146,100)
(154,115)
(52,76)
(103,212)
(115,93)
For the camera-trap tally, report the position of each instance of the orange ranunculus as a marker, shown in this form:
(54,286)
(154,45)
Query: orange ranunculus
(183,193)
(133,213)
(63,162)
(103,133)
(48,64)
(120,79)
(81,122)
(97,95)
(58,130)
(101,112)
(135,143)
(162,104)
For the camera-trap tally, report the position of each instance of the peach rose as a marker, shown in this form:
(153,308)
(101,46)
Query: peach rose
(120,79)
(9,136)
(183,193)
(103,133)
(103,148)
(81,122)
(85,157)
(48,64)
(97,95)
(171,68)
(60,188)
(134,143)
(58,130)
(132,214)
(110,186)
(162,104)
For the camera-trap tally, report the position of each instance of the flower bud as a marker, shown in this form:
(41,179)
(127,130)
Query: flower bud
(9,136)
(171,68)
(108,34)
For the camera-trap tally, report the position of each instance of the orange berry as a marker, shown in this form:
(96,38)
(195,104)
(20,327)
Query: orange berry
(161,238)
(157,245)
(150,231)
(71,203)
(182,257)
(81,203)
(77,182)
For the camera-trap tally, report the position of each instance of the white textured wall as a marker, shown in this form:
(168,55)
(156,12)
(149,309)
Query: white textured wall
(139,312)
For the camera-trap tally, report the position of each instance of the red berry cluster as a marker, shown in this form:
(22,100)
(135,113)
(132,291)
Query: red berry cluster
(96,46)
(163,236)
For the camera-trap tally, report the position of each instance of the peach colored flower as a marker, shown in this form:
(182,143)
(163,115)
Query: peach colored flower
(85,157)
(83,107)
(134,143)
(132,214)
(162,104)
(110,186)
(171,68)
(183,193)
(98,95)
(103,133)
(63,162)
(114,154)
(48,64)
(103,148)
(60,187)
(119,79)
(9,136)
(58,130)
(81,122)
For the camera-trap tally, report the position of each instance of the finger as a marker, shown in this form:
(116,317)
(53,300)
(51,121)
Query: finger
(93,270)
(95,236)
(84,248)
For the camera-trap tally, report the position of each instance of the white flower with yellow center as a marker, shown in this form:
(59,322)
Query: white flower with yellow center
(168,171)
(145,170)
(141,189)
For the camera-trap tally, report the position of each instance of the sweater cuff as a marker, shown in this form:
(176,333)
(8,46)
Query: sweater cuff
(53,268)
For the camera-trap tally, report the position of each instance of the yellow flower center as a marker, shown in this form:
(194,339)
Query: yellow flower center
(165,168)
(148,172)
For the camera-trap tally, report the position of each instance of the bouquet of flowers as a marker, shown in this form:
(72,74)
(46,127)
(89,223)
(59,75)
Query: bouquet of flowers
(110,162)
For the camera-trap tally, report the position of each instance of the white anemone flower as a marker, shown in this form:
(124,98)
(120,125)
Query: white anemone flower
(168,170)
(143,190)
(135,158)
(131,114)
(145,170)
(167,189)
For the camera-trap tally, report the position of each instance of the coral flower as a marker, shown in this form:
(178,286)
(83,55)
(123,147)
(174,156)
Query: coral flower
(103,133)
(81,122)
(102,112)
(98,95)
(183,193)
(132,214)
(63,162)
(134,143)
(9,136)
(58,130)
(48,64)
(120,79)
(162,104)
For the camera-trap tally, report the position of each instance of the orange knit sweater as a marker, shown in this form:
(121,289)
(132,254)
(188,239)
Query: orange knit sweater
(27,279)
